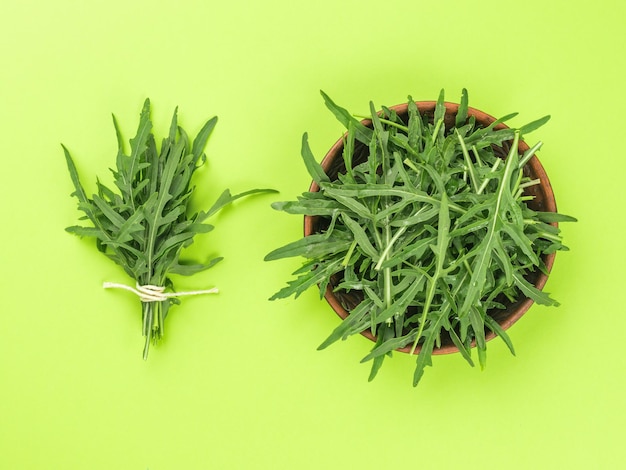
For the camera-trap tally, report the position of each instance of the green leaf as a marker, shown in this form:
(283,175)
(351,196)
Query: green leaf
(550,217)
(478,325)
(129,166)
(357,315)
(312,246)
(505,260)
(348,152)
(482,356)
(528,128)
(350,203)
(313,276)
(226,198)
(86,232)
(400,304)
(190,269)
(361,237)
(79,191)
(424,358)
(385,334)
(440,108)
(389,345)
(199,143)
(115,218)
(497,329)
(532,292)
(118,135)
(521,240)
(362,133)
(130,226)
(414,136)
(461,115)
(307,207)
(465,352)
(315,169)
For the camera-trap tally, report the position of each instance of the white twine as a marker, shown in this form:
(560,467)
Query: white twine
(150,293)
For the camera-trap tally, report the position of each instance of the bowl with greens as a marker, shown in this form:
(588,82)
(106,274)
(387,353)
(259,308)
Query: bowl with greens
(430,228)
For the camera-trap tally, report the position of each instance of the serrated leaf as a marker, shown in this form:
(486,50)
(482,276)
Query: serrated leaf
(116,219)
(361,237)
(312,246)
(357,315)
(532,292)
(424,358)
(497,329)
(384,335)
(191,269)
(86,232)
(390,345)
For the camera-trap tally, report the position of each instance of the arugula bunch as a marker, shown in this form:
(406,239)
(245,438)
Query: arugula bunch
(146,223)
(428,224)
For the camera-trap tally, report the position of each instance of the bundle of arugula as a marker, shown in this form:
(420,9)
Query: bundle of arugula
(423,230)
(145,226)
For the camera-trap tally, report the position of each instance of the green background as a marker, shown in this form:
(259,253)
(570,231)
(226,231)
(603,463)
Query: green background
(237,383)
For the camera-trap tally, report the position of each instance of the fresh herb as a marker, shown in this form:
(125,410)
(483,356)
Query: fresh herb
(428,222)
(146,223)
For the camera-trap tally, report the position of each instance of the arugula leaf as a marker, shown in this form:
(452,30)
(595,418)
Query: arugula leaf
(145,226)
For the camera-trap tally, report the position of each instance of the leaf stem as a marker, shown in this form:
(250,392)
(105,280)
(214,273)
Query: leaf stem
(436,130)
(530,183)
(346,260)
(477,155)
(484,184)
(468,162)
(529,154)
(385,254)
(386,121)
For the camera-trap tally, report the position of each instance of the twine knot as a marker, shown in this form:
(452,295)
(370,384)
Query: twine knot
(151,293)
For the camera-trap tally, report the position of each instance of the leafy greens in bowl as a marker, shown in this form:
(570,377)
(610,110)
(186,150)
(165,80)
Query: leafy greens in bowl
(430,227)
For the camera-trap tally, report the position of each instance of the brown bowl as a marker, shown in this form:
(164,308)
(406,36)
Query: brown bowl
(333,164)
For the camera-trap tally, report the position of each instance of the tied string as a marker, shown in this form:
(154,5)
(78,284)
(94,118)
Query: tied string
(150,293)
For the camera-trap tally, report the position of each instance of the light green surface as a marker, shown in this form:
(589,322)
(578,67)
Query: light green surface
(237,383)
